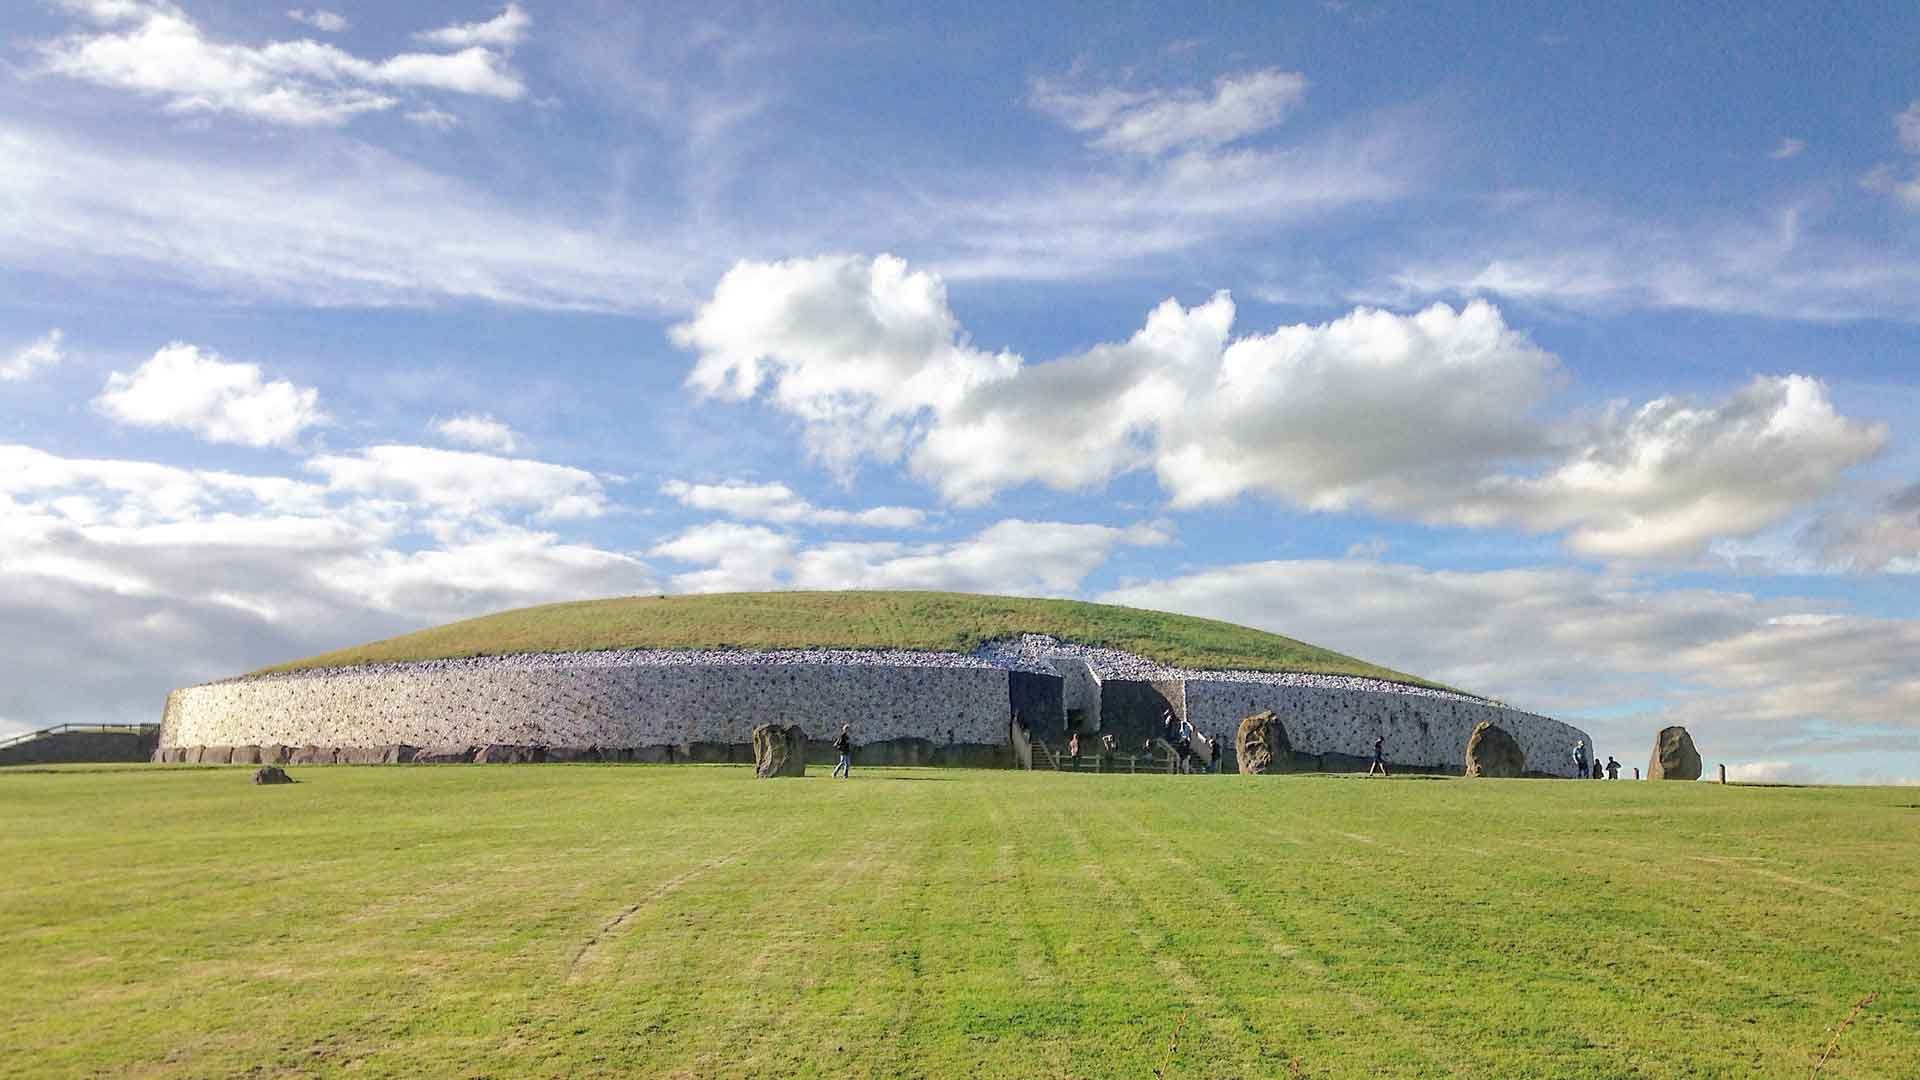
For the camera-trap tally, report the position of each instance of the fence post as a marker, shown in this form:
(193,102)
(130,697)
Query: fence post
(1723,773)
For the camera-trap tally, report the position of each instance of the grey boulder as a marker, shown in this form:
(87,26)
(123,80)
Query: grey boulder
(1494,752)
(779,750)
(1674,757)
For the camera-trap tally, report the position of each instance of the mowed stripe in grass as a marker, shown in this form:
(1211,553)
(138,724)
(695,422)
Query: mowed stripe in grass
(582,920)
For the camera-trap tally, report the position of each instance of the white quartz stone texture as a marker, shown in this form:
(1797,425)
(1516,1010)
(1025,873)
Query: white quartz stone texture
(1419,729)
(602,705)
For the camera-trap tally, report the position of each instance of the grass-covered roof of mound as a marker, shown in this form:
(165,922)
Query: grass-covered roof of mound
(931,621)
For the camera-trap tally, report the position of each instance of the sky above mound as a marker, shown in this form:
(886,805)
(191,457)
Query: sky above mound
(1567,358)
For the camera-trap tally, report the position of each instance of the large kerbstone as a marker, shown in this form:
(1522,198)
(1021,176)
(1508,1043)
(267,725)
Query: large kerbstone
(1493,751)
(779,750)
(1261,744)
(1674,757)
(313,755)
(246,755)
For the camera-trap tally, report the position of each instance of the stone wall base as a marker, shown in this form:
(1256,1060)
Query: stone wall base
(819,752)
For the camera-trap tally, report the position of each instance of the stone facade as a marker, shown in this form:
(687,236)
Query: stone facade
(1420,731)
(901,712)
(614,706)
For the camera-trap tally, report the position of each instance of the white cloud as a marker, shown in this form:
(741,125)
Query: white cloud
(1752,678)
(330,22)
(161,576)
(1372,548)
(1567,255)
(220,401)
(42,352)
(855,348)
(504,30)
(1771,772)
(479,431)
(1128,211)
(1011,556)
(501,568)
(1907,123)
(108,12)
(1887,180)
(319,223)
(779,503)
(434,118)
(735,557)
(1430,416)
(462,482)
(1153,122)
(1666,477)
(1789,147)
(164,54)
(1887,538)
(1030,557)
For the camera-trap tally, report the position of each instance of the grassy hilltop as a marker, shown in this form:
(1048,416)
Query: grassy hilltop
(691,921)
(852,620)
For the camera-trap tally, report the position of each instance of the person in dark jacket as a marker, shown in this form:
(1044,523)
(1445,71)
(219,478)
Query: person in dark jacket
(1613,768)
(843,745)
(1379,757)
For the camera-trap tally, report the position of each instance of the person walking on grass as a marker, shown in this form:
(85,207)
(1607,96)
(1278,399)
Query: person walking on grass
(1613,768)
(1580,760)
(843,745)
(1073,750)
(1379,757)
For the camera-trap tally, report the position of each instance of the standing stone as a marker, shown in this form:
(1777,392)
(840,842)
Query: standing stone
(779,751)
(271,774)
(1493,751)
(1261,745)
(1674,757)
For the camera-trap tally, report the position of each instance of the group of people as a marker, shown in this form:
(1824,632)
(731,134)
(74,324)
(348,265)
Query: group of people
(1583,766)
(1186,740)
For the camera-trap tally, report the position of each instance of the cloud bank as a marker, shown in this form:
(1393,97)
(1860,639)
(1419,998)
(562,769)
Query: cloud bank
(1435,416)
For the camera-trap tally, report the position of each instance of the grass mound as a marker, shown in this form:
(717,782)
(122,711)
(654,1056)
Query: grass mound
(690,921)
(929,621)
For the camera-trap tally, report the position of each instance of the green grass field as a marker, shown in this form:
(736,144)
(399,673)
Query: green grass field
(852,620)
(691,921)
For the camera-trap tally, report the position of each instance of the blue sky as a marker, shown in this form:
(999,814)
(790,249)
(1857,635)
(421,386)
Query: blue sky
(1565,356)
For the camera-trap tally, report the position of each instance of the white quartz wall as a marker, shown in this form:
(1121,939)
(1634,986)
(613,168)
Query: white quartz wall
(1419,730)
(676,704)
(623,706)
